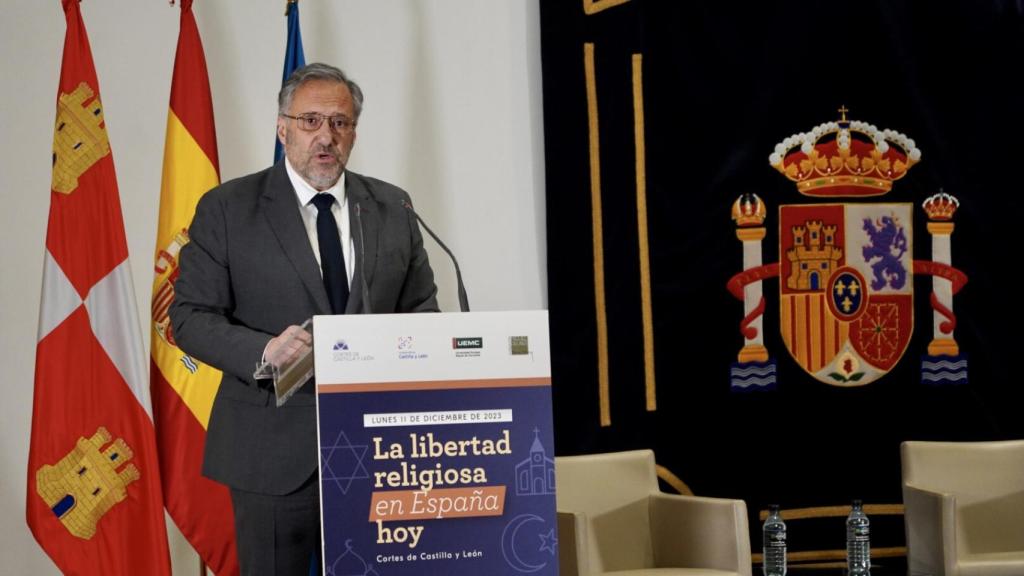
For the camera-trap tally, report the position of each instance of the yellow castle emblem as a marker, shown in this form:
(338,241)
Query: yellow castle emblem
(79,137)
(85,484)
(814,255)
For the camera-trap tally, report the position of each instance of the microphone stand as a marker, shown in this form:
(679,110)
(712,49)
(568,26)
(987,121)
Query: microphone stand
(463,298)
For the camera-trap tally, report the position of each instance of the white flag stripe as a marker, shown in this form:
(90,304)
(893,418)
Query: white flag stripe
(112,315)
(59,298)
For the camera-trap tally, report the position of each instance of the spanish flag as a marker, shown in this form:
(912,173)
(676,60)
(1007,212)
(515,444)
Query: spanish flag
(94,493)
(183,388)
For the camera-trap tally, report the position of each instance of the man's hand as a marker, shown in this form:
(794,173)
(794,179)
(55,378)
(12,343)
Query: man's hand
(288,346)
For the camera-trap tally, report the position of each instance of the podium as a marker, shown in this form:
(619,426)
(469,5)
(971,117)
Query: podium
(436,444)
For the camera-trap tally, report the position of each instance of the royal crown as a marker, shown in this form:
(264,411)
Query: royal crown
(845,158)
(749,210)
(940,207)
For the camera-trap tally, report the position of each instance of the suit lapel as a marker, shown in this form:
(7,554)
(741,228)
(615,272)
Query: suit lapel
(364,216)
(281,209)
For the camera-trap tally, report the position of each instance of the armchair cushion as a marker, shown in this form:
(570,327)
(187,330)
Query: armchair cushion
(713,530)
(992,564)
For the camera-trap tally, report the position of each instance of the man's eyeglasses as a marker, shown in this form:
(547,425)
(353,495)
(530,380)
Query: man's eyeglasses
(312,121)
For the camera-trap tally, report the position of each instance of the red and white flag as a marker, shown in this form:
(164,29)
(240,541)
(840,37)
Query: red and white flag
(94,498)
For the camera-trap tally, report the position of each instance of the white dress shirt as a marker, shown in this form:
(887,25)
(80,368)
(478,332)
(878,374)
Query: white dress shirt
(304,195)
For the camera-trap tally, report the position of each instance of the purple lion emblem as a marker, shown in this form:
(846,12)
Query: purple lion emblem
(888,244)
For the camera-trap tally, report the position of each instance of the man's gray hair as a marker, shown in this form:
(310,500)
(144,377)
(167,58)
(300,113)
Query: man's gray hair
(317,71)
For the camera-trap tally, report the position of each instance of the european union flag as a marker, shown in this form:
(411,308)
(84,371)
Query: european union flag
(293,58)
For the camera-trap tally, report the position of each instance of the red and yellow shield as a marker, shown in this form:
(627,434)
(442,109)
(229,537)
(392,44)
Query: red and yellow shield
(846,288)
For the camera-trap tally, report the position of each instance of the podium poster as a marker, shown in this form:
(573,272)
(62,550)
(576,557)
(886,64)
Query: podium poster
(436,444)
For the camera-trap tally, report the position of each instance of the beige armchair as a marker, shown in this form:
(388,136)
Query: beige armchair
(613,519)
(964,508)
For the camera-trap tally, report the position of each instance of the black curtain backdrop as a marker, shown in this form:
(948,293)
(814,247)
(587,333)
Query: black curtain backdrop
(722,84)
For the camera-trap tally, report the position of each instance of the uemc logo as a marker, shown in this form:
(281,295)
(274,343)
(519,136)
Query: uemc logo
(462,343)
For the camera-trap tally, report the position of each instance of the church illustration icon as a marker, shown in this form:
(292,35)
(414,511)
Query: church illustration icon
(535,476)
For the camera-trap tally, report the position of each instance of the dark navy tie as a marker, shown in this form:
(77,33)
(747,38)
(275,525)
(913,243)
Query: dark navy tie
(332,259)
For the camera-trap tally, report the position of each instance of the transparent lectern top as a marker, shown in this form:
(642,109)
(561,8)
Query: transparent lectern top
(292,371)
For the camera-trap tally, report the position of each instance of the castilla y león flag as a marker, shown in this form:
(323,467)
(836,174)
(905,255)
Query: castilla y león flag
(94,498)
(183,388)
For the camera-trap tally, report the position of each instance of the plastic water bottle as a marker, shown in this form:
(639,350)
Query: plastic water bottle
(858,542)
(774,544)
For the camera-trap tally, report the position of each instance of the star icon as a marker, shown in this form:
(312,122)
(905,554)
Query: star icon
(342,462)
(548,541)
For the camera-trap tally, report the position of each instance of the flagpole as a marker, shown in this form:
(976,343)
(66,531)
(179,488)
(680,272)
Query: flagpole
(202,564)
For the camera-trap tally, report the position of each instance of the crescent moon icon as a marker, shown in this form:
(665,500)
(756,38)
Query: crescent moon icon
(508,540)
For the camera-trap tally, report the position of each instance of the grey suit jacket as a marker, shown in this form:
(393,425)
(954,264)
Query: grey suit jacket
(247,273)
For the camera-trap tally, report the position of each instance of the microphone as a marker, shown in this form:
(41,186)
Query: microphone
(362,261)
(463,299)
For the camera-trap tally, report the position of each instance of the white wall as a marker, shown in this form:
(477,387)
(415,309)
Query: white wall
(453,115)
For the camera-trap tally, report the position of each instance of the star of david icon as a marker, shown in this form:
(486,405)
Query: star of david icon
(342,463)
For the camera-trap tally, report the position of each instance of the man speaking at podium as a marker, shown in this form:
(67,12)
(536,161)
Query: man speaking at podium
(266,252)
